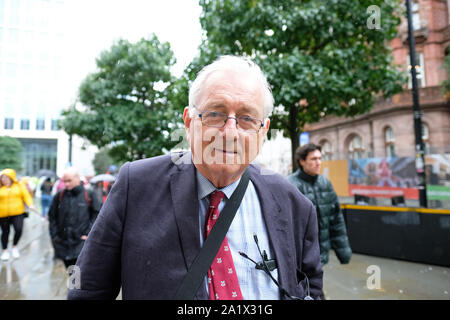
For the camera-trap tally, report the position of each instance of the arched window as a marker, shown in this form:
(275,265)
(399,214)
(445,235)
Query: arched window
(389,142)
(355,147)
(326,150)
(426,138)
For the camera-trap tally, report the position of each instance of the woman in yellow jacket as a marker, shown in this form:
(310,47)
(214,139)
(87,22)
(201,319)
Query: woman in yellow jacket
(13,197)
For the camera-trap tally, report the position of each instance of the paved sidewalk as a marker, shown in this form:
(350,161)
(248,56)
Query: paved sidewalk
(399,280)
(37,276)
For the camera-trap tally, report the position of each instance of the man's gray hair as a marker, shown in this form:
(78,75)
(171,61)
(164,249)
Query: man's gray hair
(234,63)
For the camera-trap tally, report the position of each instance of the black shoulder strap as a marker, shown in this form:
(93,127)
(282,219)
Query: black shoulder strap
(204,259)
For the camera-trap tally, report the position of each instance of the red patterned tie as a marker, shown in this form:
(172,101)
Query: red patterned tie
(223,283)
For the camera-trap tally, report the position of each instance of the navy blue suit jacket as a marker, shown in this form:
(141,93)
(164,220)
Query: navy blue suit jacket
(147,233)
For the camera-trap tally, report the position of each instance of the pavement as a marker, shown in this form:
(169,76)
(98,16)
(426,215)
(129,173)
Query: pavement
(36,275)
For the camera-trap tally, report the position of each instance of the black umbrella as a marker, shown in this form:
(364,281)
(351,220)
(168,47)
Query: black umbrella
(45,173)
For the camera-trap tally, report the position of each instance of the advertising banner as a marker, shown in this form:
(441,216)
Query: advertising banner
(383,177)
(437,170)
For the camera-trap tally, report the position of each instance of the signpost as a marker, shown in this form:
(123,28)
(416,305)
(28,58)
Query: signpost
(419,147)
(304,138)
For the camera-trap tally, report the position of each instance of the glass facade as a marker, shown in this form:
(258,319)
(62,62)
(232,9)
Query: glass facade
(38,154)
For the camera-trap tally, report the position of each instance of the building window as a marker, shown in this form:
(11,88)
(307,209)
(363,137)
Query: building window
(420,70)
(9,123)
(415,15)
(326,150)
(389,142)
(355,148)
(54,125)
(426,138)
(24,124)
(38,154)
(40,124)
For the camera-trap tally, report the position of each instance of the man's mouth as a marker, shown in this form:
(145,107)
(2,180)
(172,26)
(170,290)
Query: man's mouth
(227,152)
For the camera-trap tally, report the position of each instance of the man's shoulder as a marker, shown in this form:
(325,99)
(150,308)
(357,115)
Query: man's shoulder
(161,162)
(274,181)
(324,181)
(296,179)
(282,190)
(158,167)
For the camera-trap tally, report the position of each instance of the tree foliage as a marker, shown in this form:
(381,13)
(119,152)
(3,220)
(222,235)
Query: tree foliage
(321,52)
(10,153)
(102,161)
(127,101)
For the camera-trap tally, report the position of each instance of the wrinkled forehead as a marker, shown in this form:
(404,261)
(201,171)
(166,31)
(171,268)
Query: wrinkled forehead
(235,85)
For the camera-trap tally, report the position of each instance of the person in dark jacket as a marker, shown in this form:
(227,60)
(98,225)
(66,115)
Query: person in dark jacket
(71,216)
(318,189)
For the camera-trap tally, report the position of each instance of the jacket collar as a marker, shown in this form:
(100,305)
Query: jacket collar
(76,190)
(304,176)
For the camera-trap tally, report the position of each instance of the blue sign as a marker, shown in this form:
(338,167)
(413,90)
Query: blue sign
(304,138)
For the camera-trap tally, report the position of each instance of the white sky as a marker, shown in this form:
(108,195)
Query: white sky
(95,24)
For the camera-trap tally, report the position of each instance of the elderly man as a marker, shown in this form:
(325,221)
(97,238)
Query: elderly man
(72,213)
(161,210)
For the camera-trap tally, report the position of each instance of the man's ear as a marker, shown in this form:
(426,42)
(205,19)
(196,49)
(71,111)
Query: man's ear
(267,125)
(265,129)
(186,118)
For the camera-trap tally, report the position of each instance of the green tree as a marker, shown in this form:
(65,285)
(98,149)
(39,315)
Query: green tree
(322,57)
(102,161)
(127,101)
(10,153)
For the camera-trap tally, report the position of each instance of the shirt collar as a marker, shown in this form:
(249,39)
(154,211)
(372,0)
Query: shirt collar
(205,187)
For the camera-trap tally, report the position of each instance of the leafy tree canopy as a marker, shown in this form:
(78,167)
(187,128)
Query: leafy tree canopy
(10,153)
(127,101)
(321,57)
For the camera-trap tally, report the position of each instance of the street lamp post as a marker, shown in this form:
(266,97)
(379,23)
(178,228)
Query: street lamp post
(419,147)
(70,148)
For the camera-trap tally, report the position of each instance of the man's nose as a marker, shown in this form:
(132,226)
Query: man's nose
(231,123)
(230,129)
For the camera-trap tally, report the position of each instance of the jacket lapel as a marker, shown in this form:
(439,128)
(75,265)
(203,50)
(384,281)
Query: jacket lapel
(277,227)
(185,204)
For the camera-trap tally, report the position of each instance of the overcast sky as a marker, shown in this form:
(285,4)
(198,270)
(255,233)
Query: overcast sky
(95,24)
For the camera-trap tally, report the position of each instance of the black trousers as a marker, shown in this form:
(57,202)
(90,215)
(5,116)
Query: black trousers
(5,223)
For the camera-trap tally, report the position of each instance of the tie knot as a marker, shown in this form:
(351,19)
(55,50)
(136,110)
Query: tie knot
(215,197)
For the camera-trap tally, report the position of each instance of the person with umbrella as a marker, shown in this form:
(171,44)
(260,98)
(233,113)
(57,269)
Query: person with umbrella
(102,184)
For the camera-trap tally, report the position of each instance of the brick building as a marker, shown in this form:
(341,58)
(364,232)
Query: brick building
(388,129)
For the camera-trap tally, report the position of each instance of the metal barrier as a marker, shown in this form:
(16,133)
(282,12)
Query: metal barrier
(413,234)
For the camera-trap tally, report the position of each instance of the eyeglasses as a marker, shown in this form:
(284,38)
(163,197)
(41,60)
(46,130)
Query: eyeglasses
(269,265)
(219,119)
